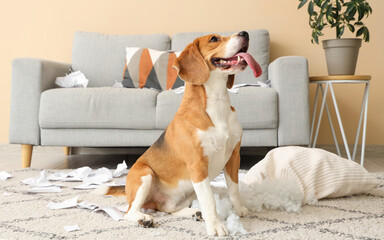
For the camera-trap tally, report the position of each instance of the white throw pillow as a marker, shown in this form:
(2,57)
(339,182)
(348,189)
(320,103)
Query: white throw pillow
(319,174)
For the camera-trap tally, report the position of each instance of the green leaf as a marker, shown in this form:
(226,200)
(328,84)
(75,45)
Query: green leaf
(310,8)
(329,10)
(341,31)
(359,24)
(361,13)
(349,8)
(360,31)
(366,35)
(351,27)
(303,2)
(338,6)
(350,16)
(315,38)
(325,6)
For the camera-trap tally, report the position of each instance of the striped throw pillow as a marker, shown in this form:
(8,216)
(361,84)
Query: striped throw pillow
(318,173)
(150,68)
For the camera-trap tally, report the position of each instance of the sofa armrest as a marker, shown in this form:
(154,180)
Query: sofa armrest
(289,76)
(30,77)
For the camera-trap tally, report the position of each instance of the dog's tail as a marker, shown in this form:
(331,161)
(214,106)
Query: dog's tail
(107,190)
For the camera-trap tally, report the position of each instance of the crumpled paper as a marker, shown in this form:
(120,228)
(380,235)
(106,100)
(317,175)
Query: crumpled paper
(72,202)
(120,170)
(102,175)
(52,189)
(71,228)
(75,176)
(40,181)
(4,175)
(74,79)
(116,213)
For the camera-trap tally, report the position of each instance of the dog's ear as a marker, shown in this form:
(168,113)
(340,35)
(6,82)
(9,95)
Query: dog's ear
(230,81)
(191,66)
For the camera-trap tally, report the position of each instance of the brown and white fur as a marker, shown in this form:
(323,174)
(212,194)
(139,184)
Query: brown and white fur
(202,140)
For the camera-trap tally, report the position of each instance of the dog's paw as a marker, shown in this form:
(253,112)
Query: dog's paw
(146,223)
(197,216)
(241,211)
(217,228)
(144,220)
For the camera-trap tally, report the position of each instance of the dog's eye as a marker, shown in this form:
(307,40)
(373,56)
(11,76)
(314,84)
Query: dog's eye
(214,39)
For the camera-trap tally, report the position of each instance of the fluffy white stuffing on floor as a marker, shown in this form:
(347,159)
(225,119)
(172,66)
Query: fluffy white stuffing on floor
(275,195)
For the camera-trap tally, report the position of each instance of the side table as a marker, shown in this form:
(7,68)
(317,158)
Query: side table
(328,81)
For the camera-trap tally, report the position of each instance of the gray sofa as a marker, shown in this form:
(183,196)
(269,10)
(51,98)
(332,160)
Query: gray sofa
(102,116)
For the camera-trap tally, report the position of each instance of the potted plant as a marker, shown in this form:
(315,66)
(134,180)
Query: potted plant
(341,53)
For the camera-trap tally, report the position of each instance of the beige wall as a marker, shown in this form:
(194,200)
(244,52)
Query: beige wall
(44,29)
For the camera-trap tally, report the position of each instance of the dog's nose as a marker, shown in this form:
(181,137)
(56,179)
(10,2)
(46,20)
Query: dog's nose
(243,34)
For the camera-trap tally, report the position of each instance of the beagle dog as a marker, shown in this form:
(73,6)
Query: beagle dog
(202,140)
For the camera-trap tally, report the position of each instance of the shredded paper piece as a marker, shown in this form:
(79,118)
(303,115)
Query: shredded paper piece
(86,186)
(74,79)
(113,212)
(6,194)
(4,175)
(40,181)
(121,169)
(75,176)
(116,213)
(71,228)
(52,189)
(87,205)
(102,175)
(61,205)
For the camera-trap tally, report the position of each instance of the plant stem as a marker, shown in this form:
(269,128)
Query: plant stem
(337,18)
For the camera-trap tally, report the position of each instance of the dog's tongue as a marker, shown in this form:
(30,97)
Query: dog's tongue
(252,63)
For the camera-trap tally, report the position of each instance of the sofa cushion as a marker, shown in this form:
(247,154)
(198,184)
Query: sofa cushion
(150,68)
(125,108)
(101,57)
(258,48)
(256,107)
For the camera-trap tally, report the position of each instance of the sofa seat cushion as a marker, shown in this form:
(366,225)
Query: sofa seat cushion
(119,108)
(256,107)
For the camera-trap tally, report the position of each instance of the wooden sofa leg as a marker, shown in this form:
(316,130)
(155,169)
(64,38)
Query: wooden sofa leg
(67,150)
(26,155)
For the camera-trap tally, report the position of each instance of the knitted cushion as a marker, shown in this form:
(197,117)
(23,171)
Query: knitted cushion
(318,173)
(151,69)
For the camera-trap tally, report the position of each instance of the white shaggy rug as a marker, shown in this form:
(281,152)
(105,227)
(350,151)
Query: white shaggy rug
(26,216)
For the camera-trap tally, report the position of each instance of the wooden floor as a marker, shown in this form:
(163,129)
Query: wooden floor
(54,158)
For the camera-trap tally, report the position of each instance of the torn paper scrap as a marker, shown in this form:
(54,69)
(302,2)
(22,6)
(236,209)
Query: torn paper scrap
(87,205)
(123,208)
(102,175)
(179,90)
(118,183)
(120,170)
(113,212)
(52,189)
(80,173)
(75,176)
(235,88)
(4,175)
(117,85)
(72,202)
(74,79)
(40,181)
(57,176)
(86,186)
(71,228)
(5,194)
